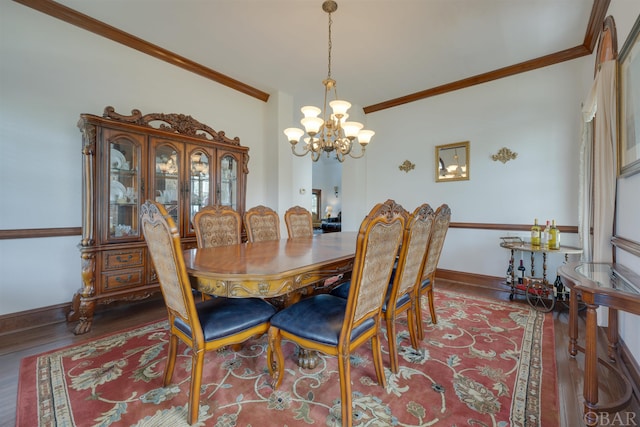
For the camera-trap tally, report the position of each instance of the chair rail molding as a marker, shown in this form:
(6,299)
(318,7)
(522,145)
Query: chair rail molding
(33,233)
(30,233)
(626,245)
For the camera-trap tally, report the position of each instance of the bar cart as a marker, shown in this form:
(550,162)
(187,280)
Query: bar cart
(539,292)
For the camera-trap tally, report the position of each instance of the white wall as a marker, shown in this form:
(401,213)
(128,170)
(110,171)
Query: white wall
(535,114)
(50,73)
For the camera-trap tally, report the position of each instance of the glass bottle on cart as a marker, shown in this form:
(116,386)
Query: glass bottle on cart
(535,233)
(521,269)
(510,273)
(554,236)
(545,236)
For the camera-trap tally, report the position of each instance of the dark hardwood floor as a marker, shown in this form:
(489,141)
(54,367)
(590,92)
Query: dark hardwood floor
(15,346)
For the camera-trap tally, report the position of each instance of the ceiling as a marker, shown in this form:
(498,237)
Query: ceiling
(382,50)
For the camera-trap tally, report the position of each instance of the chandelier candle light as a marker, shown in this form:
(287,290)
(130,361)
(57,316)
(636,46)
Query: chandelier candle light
(331,132)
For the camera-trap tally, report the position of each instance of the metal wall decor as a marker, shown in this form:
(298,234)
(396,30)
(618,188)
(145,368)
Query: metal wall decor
(406,166)
(504,155)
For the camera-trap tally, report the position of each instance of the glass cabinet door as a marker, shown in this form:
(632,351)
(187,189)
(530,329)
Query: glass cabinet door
(199,183)
(124,185)
(228,187)
(166,181)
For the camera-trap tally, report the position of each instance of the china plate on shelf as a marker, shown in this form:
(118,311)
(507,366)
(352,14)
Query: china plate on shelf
(117,191)
(118,161)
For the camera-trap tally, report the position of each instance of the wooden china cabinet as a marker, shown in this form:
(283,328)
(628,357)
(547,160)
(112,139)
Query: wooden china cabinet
(170,158)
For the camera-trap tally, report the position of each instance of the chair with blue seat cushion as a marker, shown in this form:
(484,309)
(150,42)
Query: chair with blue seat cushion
(204,326)
(436,242)
(337,326)
(262,224)
(299,222)
(341,290)
(217,226)
(406,278)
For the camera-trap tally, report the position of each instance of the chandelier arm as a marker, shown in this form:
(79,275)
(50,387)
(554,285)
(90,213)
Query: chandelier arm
(358,156)
(304,153)
(344,147)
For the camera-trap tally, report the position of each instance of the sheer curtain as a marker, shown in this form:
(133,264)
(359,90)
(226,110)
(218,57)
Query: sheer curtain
(598,169)
(599,160)
(586,190)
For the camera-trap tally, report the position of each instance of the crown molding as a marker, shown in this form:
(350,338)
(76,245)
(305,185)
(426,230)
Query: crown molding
(88,23)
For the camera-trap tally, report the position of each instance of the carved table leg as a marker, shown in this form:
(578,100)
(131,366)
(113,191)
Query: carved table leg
(307,359)
(590,392)
(612,334)
(573,323)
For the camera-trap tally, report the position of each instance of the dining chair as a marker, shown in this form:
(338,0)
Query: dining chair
(337,326)
(436,242)
(217,226)
(262,223)
(204,326)
(299,222)
(405,279)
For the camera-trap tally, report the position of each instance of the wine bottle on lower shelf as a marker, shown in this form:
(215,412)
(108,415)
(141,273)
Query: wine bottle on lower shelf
(559,290)
(521,276)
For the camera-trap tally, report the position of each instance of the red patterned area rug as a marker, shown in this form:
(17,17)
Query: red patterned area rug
(486,363)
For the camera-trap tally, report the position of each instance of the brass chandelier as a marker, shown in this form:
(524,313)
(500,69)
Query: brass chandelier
(331,132)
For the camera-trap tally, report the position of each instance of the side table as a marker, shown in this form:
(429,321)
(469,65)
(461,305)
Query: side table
(609,285)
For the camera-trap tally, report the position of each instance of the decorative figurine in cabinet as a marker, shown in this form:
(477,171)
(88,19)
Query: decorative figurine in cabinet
(170,158)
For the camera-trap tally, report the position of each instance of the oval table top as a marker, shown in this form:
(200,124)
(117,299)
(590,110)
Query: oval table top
(271,268)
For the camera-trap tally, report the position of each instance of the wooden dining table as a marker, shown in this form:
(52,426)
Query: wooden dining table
(279,270)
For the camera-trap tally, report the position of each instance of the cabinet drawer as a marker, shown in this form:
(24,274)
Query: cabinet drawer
(189,245)
(112,260)
(122,279)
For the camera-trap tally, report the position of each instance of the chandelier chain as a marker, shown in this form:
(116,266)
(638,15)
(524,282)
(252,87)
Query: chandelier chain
(330,45)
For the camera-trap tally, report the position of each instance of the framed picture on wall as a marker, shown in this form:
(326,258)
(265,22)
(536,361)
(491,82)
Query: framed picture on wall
(629,104)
